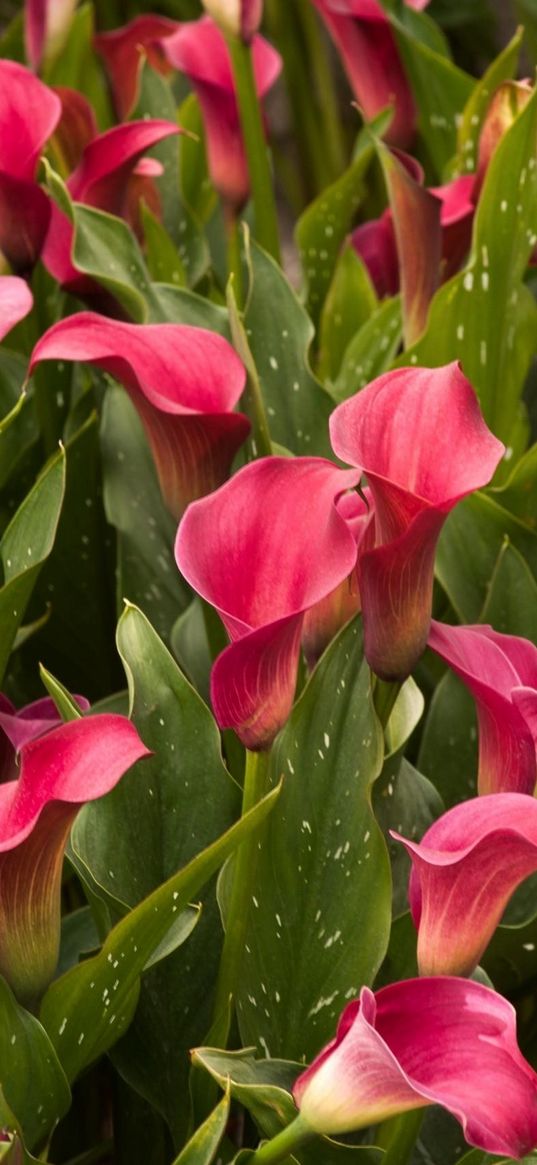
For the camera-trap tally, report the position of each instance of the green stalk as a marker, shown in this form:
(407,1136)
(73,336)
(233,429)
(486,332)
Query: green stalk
(244,863)
(330,136)
(234,261)
(398,1136)
(284,1143)
(266,222)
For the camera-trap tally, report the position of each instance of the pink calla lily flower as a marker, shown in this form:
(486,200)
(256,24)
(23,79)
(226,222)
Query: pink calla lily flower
(19,726)
(199,50)
(501,673)
(264,549)
(123,51)
(184,382)
(101,179)
(236,17)
(16,301)
(29,113)
(59,772)
(46,28)
(440,1041)
(366,44)
(419,437)
(464,871)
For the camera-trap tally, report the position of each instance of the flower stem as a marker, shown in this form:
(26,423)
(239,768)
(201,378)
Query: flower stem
(284,1143)
(266,222)
(234,261)
(242,874)
(399,1135)
(331,139)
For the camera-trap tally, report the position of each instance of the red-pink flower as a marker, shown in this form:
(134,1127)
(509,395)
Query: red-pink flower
(16,301)
(101,179)
(263,550)
(199,50)
(236,17)
(501,673)
(19,726)
(362,34)
(419,437)
(29,113)
(464,871)
(124,51)
(59,772)
(184,382)
(46,27)
(426,1041)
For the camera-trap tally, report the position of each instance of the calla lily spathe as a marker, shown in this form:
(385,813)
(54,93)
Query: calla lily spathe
(123,51)
(501,673)
(46,28)
(420,439)
(19,726)
(464,871)
(16,302)
(184,382)
(59,772)
(426,1041)
(263,550)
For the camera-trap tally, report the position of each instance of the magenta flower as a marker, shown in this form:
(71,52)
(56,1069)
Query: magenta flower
(236,17)
(464,871)
(29,113)
(101,180)
(365,42)
(16,301)
(375,242)
(184,382)
(199,50)
(426,1041)
(263,550)
(18,727)
(46,27)
(59,772)
(326,618)
(501,673)
(419,437)
(124,51)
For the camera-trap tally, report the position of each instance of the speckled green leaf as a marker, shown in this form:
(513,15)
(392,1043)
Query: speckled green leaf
(486,316)
(350,302)
(27,1055)
(298,408)
(25,546)
(321,896)
(501,69)
(203,1146)
(371,351)
(88,1008)
(408,803)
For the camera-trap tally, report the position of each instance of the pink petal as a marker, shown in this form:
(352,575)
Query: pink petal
(77,126)
(426,1041)
(508,101)
(29,113)
(25,212)
(375,243)
(507,711)
(416,222)
(419,436)
(33,720)
(16,301)
(366,44)
(123,52)
(46,25)
(457,218)
(262,550)
(184,381)
(199,50)
(464,872)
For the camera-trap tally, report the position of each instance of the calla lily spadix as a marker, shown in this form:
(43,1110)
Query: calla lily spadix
(59,772)
(184,382)
(263,550)
(199,50)
(29,113)
(420,439)
(464,871)
(440,1041)
(501,673)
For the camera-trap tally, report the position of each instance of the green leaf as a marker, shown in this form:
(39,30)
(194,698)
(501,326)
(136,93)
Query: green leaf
(18,426)
(196,187)
(77,67)
(511,603)
(25,545)
(371,351)
(27,1056)
(501,69)
(264,1088)
(320,908)
(519,492)
(203,1146)
(350,302)
(404,717)
(87,1009)
(407,802)
(164,812)
(106,249)
(324,225)
(163,259)
(485,316)
(297,406)
(66,705)
(147,574)
(448,752)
